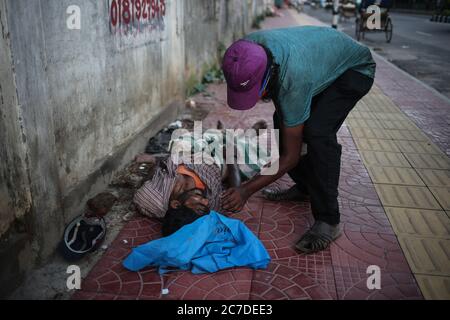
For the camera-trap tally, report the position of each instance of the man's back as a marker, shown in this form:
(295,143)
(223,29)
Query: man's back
(310,59)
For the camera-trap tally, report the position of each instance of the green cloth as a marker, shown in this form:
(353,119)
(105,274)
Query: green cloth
(310,58)
(250,155)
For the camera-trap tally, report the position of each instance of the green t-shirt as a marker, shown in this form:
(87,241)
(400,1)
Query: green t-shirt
(310,58)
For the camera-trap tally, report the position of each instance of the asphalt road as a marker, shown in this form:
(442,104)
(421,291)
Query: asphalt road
(418,46)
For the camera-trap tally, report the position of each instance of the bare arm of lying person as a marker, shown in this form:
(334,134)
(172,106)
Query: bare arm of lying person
(234,199)
(231,176)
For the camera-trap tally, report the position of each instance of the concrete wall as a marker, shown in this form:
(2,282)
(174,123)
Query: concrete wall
(16,233)
(210,24)
(14,196)
(76,105)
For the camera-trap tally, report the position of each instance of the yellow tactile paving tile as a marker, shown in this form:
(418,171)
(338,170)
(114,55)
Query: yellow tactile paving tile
(382,109)
(364,123)
(398,124)
(411,176)
(428,161)
(380,103)
(356,114)
(434,287)
(369,133)
(375,90)
(427,255)
(377,103)
(376,145)
(406,197)
(395,175)
(417,147)
(389,116)
(410,135)
(435,178)
(419,222)
(361,106)
(384,159)
(442,195)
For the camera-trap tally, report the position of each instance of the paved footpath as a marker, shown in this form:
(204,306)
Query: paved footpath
(394,198)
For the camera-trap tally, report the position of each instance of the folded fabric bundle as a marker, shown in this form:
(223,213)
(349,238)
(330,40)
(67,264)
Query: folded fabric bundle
(211,243)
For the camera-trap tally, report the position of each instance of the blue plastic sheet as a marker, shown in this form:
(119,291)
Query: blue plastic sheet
(211,243)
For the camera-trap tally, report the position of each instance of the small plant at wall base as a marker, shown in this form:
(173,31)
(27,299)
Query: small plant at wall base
(257,21)
(213,75)
(269,12)
(221,48)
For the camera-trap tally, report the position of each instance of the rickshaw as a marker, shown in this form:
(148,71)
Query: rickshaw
(362,17)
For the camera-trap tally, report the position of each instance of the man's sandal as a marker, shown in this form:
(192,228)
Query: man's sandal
(293,193)
(318,238)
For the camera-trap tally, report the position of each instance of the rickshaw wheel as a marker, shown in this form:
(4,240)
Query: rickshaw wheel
(388,30)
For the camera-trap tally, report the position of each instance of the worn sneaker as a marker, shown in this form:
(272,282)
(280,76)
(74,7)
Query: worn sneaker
(291,194)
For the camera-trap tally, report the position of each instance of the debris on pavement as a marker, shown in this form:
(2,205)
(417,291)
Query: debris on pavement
(175,125)
(159,144)
(190,103)
(127,217)
(134,175)
(101,204)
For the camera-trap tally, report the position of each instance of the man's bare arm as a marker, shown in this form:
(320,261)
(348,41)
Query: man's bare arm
(233,199)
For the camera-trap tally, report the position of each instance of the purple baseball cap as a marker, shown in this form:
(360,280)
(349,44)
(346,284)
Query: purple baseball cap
(244,65)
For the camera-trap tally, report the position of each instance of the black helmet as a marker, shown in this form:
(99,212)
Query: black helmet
(81,236)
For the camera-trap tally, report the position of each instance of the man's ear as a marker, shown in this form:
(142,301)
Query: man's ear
(175,204)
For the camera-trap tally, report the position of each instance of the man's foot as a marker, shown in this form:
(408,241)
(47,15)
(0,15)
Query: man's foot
(318,238)
(293,193)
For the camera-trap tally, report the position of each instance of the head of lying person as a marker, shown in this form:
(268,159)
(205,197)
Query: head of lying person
(176,218)
(190,198)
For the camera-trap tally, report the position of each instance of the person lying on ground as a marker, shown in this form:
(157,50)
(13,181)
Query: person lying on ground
(194,186)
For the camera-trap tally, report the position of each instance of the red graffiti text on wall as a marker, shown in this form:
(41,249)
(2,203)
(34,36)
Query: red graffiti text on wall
(137,15)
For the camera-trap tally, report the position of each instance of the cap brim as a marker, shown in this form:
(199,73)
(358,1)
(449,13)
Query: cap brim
(243,100)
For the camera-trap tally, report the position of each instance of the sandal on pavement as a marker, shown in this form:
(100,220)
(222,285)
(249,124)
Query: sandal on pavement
(318,238)
(293,193)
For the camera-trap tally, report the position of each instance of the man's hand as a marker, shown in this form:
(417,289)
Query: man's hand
(292,139)
(234,199)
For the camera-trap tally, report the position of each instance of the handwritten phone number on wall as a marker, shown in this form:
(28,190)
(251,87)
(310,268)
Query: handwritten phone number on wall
(130,11)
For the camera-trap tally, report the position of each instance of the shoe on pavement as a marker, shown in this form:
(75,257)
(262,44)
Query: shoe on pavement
(319,237)
(291,194)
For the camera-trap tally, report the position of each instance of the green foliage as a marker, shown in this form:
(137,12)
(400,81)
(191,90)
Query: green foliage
(257,21)
(213,75)
(221,48)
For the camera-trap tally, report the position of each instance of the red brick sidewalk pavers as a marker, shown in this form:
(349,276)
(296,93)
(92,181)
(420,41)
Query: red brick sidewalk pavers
(336,273)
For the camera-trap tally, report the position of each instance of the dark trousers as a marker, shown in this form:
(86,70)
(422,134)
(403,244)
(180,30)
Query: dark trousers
(317,173)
